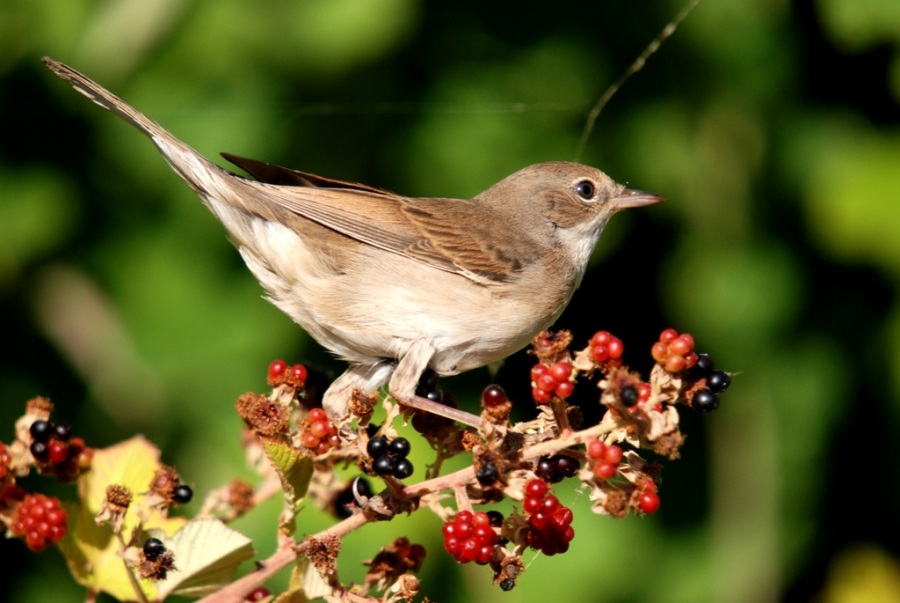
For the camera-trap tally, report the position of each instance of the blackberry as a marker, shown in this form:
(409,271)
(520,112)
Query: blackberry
(705,401)
(153,548)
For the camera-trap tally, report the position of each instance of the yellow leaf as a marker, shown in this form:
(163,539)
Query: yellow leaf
(93,551)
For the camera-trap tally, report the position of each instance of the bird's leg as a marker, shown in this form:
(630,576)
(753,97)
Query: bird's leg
(364,377)
(406,377)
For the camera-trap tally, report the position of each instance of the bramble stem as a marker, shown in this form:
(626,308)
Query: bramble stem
(289,552)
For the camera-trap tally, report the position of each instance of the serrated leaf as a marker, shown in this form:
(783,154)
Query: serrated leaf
(295,472)
(207,554)
(92,551)
(305,584)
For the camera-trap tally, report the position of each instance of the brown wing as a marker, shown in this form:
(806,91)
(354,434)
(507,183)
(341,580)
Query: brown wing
(276,174)
(449,234)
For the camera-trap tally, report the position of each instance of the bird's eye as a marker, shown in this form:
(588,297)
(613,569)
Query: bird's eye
(585,189)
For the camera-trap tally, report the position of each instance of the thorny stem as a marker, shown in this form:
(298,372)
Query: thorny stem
(288,552)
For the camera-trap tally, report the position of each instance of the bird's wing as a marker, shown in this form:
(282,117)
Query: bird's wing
(447,234)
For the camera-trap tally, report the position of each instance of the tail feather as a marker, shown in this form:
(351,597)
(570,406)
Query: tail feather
(195,169)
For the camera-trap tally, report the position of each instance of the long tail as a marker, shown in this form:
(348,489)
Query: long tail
(201,174)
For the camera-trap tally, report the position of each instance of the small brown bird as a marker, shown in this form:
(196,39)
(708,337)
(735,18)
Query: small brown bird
(397,285)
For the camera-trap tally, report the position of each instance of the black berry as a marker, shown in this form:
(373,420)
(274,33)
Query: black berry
(40,451)
(487,474)
(153,548)
(629,396)
(383,465)
(400,447)
(377,446)
(546,470)
(704,366)
(403,468)
(41,430)
(496,518)
(63,431)
(182,494)
(705,401)
(507,584)
(718,381)
(567,465)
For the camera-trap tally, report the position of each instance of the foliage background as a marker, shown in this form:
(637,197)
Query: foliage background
(771,127)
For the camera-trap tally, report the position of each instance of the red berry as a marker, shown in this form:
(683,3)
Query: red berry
(540,396)
(682,345)
(596,449)
(604,470)
(310,441)
(58,451)
(317,414)
(298,374)
(531,505)
(644,391)
(668,335)
(561,371)
(675,364)
(277,369)
(319,429)
(565,389)
(536,488)
(257,594)
(600,353)
(537,370)
(659,351)
(493,396)
(616,348)
(649,502)
(547,382)
(613,454)
(600,338)
(481,520)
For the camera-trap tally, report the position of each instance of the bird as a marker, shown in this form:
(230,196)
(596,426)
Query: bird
(397,285)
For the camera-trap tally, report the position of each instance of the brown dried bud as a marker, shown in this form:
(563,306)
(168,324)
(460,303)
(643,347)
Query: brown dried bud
(264,416)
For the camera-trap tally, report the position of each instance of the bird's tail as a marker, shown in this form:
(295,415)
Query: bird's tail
(196,170)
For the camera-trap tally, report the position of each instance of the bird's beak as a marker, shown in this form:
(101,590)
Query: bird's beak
(630,197)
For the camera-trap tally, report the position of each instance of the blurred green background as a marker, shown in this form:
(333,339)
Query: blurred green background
(772,127)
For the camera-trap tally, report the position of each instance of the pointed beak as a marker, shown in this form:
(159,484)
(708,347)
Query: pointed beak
(630,197)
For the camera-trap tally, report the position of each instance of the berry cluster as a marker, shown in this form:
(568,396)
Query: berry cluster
(707,399)
(674,352)
(605,458)
(318,433)
(40,521)
(56,451)
(607,349)
(282,374)
(389,458)
(548,381)
(471,537)
(549,521)
(555,468)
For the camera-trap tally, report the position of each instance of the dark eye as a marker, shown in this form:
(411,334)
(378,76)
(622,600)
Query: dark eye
(585,189)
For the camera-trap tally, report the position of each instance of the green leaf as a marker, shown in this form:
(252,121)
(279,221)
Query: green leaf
(207,554)
(295,472)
